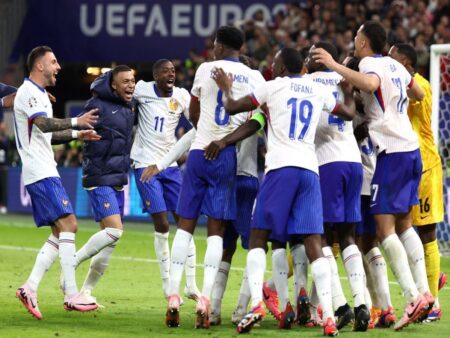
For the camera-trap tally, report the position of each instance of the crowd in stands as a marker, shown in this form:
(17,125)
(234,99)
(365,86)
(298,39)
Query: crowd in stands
(419,22)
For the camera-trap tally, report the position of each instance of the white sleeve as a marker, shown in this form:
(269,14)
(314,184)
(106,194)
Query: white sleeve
(199,79)
(186,97)
(177,151)
(329,102)
(368,66)
(31,105)
(261,94)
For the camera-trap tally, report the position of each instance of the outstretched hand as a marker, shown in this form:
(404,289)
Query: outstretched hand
(88,135)
(213,149)
(224,81)
(148,173)
(88,119)
(320,55)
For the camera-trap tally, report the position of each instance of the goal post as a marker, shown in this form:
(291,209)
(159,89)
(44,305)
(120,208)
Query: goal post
(440,120)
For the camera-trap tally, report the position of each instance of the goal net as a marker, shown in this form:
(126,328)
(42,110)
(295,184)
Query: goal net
(440,85)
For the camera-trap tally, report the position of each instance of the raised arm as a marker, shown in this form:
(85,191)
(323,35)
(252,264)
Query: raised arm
(245,130)
(365,82)
(415,92)
(232,107)
(50,124)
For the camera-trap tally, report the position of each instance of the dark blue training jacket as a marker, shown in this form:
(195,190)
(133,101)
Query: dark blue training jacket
(107,162)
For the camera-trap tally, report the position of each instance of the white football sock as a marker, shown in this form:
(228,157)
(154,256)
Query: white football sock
(378,272)
(314,298)
(355,273)
(416,258)
(213,257)
(371,294)
(280,270)
(97,242)
(162,252)
(256,266)
(68,261)
(336,287)
(44,261)
(98,266)
(398,261)
(321,274)
(178,255)
(244,295)
(300,267)
(191,266)
(219,287)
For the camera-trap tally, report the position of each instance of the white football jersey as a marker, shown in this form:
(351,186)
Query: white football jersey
(295,105)
(334,136)
(34,146)
(158,118)
(386,108)
(247,150)
(214,122)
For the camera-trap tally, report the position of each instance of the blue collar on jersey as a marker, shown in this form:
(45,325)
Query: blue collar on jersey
(294,76)
(377,55)
(39,87)
(157,92)
(231,59)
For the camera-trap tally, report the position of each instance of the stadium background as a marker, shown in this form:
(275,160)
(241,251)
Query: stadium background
(89,37)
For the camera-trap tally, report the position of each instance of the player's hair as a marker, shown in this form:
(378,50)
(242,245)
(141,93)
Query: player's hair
(158,64)
(353,63)
(292,60)
(230,37)
(35,54)
(329,48)
(408,51)
(376,34)
(119,69)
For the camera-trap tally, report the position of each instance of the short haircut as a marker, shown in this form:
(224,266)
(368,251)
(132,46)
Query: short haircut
(408,51)
(119,69)
(158,64)
(230,37)
(329,48)
(35,54)
(292,60)
(376,34)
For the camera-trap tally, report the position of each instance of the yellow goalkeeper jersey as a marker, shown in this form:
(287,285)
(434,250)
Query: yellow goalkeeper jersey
(419,113)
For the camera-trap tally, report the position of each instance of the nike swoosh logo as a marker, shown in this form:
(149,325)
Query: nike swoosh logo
(148,101)
(412,313)
(372,205)
(115,111)
(423,217)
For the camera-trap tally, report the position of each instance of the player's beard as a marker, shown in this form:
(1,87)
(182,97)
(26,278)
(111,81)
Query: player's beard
(50,78)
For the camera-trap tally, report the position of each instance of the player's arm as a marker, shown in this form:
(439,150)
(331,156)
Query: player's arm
(414,91)
(50,124)
(194,111)
(365,82)
(245,130)
(182,145)
(64,136)
(345,110)
(232,107)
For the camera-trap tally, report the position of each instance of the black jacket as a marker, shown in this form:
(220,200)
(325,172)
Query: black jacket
(107,162)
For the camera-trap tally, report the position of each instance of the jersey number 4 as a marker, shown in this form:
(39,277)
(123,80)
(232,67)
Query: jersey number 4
(302,112)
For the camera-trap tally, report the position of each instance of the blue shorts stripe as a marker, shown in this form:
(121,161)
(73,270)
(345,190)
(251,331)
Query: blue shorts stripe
(160,194)
(209,186)
(49,201)
(106,201)
(289,203)
(395,183)
(341,184)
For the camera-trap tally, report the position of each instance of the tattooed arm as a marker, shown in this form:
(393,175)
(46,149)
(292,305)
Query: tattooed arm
(46,124)
(59,137)
(64,136)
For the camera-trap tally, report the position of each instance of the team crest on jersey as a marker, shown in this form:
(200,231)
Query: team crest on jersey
(65,202)
(173,105)
(32,102)
(107,205)
(147,202)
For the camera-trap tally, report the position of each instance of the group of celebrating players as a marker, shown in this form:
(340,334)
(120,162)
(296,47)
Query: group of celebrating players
(343,165)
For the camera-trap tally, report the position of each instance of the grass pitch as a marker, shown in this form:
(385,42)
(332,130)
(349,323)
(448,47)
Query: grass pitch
(131,292)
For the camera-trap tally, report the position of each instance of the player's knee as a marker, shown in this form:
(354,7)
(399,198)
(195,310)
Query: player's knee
(114,233)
